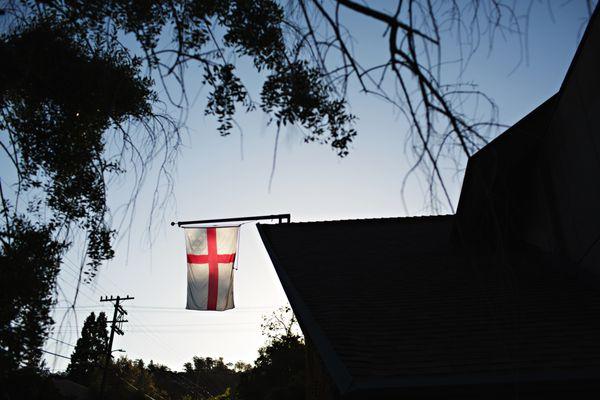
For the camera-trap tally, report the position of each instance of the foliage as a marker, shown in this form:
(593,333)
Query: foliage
(132,380)
(203,33)
(226,395)
(168,381)
(59,97)
(281,322)
(306,59)
(56,113)
(90,350)
(29,262)
(208,376)
(278,372)
(203,378)
(241,366)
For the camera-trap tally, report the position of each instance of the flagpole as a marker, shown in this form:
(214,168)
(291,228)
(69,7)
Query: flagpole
(280,217)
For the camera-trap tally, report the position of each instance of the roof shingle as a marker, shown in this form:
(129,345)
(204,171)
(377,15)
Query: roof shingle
(390,299)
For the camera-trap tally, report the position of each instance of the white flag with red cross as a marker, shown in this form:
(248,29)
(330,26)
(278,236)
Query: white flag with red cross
(210,259)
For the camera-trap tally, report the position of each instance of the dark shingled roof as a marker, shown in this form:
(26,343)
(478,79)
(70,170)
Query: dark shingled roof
(491,302)
(394,303)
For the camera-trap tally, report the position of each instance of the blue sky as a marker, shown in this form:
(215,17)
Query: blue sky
(221,177)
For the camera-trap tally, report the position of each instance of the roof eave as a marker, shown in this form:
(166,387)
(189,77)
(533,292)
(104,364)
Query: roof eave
(337,370)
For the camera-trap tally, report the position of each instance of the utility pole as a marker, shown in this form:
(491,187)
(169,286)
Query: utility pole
(116,326)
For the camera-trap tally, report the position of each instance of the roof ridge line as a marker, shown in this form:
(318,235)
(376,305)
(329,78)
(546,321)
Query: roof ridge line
(374,219)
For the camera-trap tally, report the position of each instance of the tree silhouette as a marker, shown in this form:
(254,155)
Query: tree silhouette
(133,380)
(278,372)
(58,99)
(29,262)
(304,55)
(90,350)
(208,376)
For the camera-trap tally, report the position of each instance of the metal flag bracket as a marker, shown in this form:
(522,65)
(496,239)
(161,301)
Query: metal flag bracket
(279,217)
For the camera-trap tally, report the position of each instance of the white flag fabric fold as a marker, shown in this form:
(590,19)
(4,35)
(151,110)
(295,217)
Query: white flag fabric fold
(210,258)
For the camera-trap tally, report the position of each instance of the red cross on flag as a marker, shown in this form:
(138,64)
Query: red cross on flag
(210,257)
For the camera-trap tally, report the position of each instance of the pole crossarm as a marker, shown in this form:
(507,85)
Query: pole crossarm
(280,217)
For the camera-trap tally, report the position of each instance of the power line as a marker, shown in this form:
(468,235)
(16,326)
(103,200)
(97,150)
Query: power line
(139,390)
(75,288)
(60,341)
(147,307)
(161,308)
(54,354)
(168,348)
(192,325)
(259,308)
(135,331)
(147,332)
(166,309)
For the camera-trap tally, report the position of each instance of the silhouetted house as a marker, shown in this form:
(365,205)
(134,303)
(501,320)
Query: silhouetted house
(501,300)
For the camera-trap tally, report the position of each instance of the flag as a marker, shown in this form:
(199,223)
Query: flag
(210,258)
